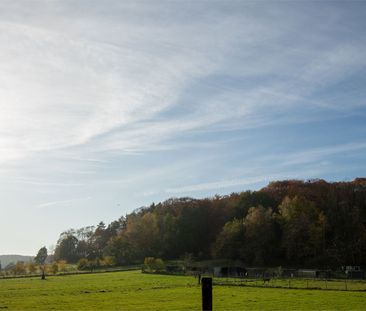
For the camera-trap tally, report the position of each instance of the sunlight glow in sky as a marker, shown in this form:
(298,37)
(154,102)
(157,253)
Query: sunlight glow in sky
(106,106)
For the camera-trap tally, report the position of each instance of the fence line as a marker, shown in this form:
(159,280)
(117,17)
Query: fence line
(295,283)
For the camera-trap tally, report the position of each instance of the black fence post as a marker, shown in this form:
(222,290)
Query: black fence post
(206,294)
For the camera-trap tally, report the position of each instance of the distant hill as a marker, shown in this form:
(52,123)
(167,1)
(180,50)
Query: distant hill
(6,259)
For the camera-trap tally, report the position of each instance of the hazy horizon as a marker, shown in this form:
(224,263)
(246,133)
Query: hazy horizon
(109,106)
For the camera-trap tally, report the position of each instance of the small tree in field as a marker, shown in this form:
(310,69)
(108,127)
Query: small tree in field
(41,260)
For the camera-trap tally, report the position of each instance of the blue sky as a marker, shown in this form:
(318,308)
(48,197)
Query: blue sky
(106,106)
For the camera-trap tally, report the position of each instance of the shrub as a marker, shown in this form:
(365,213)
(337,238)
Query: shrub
(83,264)
(152,264)
(19,268)
(159,264)
(62,265)
(108,261)
(32,267)
(54,268)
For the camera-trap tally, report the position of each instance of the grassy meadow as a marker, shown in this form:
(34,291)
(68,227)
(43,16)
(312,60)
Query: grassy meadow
(132,290)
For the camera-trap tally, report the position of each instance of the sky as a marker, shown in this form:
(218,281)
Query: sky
(107,106)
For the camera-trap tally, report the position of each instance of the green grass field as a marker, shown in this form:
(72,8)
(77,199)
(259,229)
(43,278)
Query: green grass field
(133,290)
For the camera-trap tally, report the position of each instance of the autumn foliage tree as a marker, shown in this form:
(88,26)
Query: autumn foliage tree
(41,260)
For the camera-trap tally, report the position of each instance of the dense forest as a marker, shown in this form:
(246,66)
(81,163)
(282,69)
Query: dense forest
(291,223)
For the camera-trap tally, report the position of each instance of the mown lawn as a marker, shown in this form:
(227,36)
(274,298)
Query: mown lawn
(133,290)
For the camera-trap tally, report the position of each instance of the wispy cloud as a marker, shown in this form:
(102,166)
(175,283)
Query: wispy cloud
(61,202)
(322,153)
(110,86)
(217,185)
(304,164)
(43,182)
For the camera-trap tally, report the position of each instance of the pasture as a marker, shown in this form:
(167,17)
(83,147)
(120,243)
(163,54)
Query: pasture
(132,290)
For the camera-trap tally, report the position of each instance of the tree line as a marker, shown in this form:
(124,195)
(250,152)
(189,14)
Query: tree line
(296,223)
